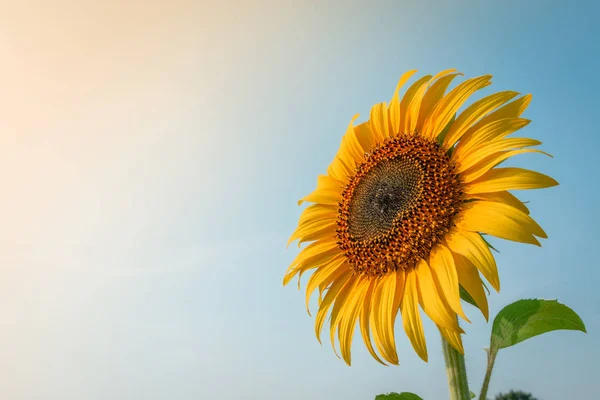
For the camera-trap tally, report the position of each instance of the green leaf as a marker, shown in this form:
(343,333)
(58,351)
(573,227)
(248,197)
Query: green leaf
(398,396)
(466,296)
(489,244)
(472,395)
(524,319)
(485,287)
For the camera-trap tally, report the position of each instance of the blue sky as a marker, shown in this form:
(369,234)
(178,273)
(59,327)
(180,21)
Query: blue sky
(153,154)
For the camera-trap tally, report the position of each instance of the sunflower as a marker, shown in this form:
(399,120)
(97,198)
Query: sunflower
(398,222)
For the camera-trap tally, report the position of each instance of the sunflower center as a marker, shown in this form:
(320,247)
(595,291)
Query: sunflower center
(387,190)
(400,203)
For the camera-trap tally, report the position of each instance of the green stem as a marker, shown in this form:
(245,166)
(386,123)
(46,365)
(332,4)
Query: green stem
(456,371)
(488,373)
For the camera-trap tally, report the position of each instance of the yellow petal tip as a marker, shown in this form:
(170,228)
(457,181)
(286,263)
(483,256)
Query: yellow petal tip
(287,246)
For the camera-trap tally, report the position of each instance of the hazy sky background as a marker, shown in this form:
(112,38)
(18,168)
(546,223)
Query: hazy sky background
(151,157)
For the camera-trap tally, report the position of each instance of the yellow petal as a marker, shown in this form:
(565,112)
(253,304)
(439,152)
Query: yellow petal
(350,152)
(500,179)
(330,197)
(301,268)
(364,319)
(325,275)
(400,278)
(340,307)
(374,318)
(365,136)
(313,255)
(494,130)
(492,161)
(500,220)
(473,247)
(436,91)
(397,295)
(394,110)
(324,232)
(501,197)
(433,303)
(312,263)
(481,152)
(411,318)
(471,282)
(348,321)
(511,110)
(339,170)
(316,212)
(311,227)
(315,249)
(320,298)
(446,279)
(383,315)
(448,105)
(328,191)
(473,113)
(379,121)
(453,338)
(410,104)
(344,282)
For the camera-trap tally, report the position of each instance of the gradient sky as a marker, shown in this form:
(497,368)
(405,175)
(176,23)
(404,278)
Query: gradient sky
(151,157)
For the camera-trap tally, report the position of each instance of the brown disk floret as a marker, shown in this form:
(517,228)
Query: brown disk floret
(399,204)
